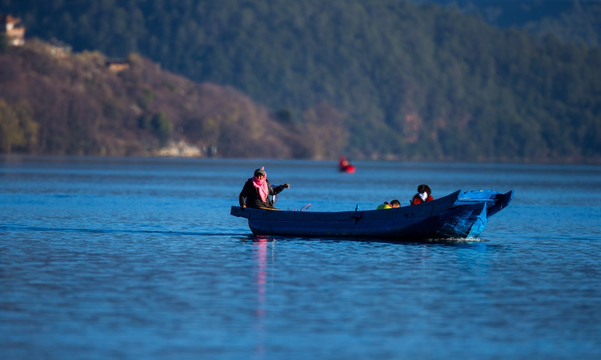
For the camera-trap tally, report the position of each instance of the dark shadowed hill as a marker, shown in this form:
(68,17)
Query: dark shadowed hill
(575,21)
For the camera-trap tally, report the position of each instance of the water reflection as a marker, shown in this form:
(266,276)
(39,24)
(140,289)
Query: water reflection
(260,256)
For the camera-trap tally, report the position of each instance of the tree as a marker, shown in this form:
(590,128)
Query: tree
(3,42)
(17,128)
(161,126)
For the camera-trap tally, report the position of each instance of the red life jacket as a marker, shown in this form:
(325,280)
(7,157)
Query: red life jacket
(418,200)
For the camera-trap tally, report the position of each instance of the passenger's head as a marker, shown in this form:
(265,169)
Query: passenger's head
(395,203)
(423,188)
(259,173)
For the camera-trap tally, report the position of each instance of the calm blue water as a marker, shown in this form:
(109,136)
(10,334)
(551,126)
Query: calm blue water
(139,259)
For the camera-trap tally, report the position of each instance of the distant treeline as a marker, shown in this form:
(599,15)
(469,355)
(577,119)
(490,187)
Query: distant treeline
(390,79)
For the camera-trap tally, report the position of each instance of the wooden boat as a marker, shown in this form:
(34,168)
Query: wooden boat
(457,215)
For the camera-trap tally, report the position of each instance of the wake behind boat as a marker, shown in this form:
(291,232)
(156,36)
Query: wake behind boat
(457,215)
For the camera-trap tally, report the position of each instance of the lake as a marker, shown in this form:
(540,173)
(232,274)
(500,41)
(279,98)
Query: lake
(138,258)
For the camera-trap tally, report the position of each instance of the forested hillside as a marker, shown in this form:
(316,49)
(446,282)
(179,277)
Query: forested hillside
(575,21)
(76,104)
(404,81)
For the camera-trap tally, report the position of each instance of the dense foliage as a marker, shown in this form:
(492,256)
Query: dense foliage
(390,79)
(576,21)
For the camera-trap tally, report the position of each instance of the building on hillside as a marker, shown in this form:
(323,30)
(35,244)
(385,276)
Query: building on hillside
(15,32)
(117,65)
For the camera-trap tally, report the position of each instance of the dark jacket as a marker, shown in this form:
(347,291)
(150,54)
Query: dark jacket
(249,195)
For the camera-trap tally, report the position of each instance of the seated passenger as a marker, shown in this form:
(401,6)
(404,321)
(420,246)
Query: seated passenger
(424,194)
(386,205)
(393,204)
(257,190)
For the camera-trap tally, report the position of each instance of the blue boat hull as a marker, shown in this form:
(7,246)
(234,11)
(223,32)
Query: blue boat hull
(458,215)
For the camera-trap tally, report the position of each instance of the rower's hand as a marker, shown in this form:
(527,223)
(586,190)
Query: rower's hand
(287,186)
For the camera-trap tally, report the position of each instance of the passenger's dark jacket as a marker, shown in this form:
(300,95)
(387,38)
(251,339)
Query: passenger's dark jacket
(249,195)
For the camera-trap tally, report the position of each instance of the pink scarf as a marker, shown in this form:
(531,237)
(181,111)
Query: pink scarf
(261,186)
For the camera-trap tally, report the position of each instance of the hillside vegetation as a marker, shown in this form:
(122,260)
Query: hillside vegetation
(390,79)
(74,104)
(575,21)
